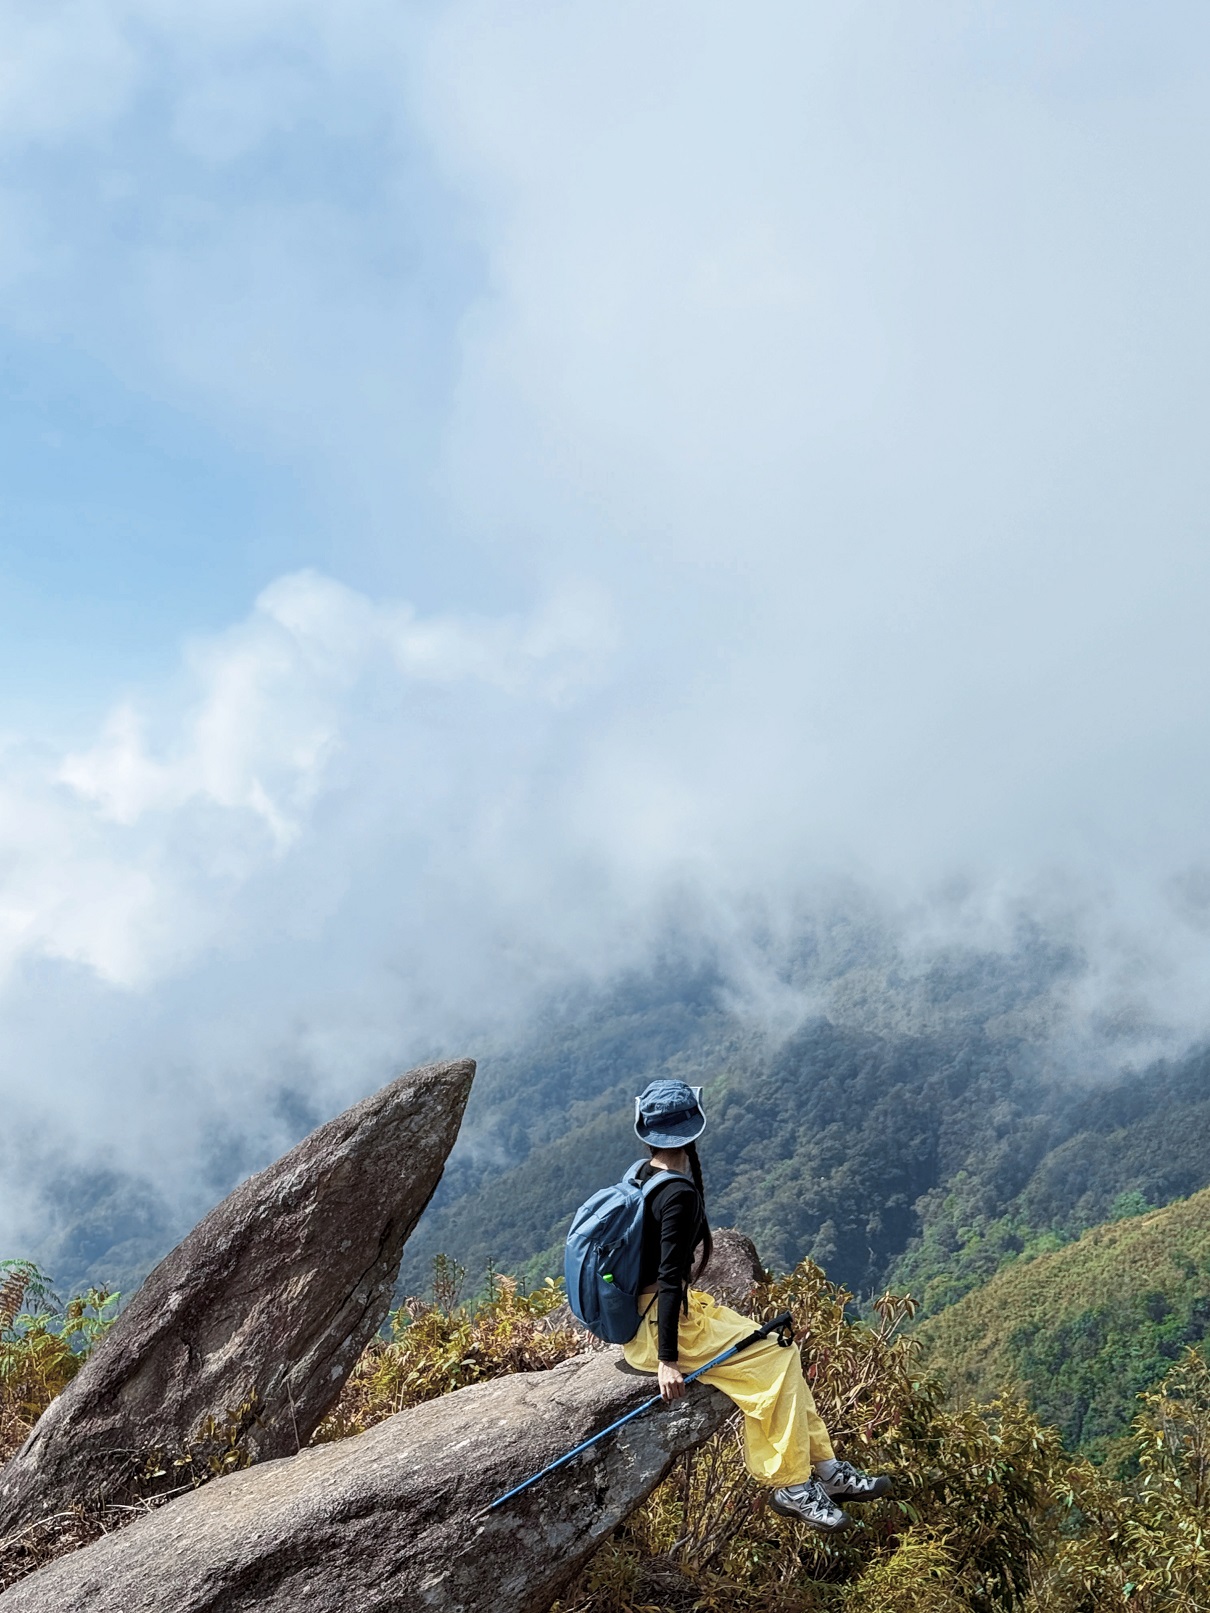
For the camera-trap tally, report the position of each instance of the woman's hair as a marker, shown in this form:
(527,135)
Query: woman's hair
(695,1169)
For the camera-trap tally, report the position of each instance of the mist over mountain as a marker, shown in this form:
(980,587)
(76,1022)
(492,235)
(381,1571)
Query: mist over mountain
(501,523)
(926,1149)
(899,1113)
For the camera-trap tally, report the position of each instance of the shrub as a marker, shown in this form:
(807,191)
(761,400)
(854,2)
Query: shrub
(990,1514)
(437,1345)
(1141,1546)
(977,1505)
(41,1349)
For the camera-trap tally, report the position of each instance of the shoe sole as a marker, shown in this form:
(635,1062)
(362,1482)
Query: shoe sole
(824,1528)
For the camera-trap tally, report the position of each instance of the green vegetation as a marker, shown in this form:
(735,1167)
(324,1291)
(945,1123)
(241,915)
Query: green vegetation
(41,1349)
(435,1346)
(925,1126)
(977,1492)
(957,1253)
(991,1515)
(1084,1329)
(921,1159)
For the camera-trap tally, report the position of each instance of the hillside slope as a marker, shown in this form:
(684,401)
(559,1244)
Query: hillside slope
(1084,1329)
(928,1117)
(922,1159)
(820,1145)
(1119,1147)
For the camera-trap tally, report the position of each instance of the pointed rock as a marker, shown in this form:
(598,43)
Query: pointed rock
(734,1269)
(245,1333)
(391,1520)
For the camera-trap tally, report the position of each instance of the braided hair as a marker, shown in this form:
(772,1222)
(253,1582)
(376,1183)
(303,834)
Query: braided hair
(695,1167)
(695,1170)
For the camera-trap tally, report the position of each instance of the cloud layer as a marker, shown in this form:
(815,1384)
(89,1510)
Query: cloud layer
(787,426)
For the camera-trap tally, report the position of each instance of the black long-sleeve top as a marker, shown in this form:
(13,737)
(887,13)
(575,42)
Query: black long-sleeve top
(674,1223)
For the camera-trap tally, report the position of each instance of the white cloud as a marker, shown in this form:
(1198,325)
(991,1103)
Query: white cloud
(330,843)
(66,67)
(321,691)
(835,376)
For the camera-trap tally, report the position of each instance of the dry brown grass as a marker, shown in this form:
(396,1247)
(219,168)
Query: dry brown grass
(435,1346)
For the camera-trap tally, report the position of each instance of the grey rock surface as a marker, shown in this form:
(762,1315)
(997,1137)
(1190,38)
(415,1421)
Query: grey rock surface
(387,1521)
(734,1269)
(267,1304)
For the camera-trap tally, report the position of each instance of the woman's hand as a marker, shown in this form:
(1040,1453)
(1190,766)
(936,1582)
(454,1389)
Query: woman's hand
(672,1383)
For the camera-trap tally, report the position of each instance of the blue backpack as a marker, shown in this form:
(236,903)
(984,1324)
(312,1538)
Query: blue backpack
(604,1249)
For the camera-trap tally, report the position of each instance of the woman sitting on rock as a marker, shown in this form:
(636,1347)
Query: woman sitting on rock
(786,1445)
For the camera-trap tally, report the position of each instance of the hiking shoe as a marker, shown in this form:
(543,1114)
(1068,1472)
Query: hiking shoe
(811,1504)
(849,1483)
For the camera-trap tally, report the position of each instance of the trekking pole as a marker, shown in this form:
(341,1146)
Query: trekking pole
(782,1325)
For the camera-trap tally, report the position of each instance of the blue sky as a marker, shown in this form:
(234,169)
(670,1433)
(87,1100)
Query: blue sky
(478,477)
(127,525)
(213,255)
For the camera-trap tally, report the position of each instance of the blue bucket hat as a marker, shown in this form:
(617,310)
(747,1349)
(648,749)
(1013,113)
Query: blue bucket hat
(669,1114)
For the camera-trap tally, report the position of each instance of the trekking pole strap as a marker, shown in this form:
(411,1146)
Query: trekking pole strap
(782,1325)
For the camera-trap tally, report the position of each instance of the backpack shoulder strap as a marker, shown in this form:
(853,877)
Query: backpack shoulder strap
(662,1178)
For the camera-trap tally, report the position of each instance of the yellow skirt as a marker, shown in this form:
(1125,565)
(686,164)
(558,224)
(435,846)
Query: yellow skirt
(784,1435)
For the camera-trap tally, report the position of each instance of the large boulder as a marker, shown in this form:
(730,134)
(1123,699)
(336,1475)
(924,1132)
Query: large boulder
(734,1269)
(392,1520)
(242,1337)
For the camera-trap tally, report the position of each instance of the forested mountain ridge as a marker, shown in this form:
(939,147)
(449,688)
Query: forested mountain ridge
(1083,1330)
(907,1118)
(1119,1148)
(925,1152)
